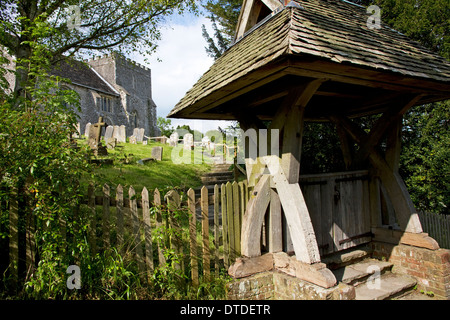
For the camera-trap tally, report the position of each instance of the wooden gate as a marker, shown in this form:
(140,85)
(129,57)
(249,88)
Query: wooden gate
(338,204)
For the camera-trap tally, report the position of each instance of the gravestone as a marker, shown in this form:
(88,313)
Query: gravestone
(86,130)
(206,142)
(135,132)
(133,140)
(95,132)
(140,135)
(157,153)
(122,134)
(109,132)
(173,140)
(116,132)
(111,143)
(188,140)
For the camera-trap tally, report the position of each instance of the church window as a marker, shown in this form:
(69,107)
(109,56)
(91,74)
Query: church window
(104,104)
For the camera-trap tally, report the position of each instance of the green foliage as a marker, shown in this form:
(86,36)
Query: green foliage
(224,15)
(425,159)
(165,126)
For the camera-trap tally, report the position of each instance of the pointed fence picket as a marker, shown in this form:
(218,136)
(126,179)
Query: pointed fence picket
(204,230)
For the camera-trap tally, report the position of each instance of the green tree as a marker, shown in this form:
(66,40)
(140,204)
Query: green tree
(224,15)
(165,126)
(81,27)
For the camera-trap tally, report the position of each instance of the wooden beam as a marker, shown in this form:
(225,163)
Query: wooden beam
(396,188)
(297,215)
(274,223)
(254,217)
(380,127)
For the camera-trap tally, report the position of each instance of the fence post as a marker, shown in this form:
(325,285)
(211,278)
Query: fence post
(173,203)
(157,204)
(205,234)
(223,202)
(193,237)
(236,218)
(106,214)
(147,232)
(136,228)
(93,224)
(216,230)
(230,222)
(120,215)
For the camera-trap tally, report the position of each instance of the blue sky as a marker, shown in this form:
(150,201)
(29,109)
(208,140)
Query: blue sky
(183,61)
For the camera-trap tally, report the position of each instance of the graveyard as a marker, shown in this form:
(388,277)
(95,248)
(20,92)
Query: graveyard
(131,163)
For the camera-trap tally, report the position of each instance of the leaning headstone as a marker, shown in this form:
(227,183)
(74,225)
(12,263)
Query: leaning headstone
(111,143)
(109,132)
(140,135)
(133,140)
(157,153)
(86,130)
(122,134)
(188,140)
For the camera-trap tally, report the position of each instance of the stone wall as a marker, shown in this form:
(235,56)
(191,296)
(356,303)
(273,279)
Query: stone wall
(134,84)
(274,285)
(431,268)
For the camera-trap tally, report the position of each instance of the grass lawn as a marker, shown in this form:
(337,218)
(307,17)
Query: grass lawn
(155,174)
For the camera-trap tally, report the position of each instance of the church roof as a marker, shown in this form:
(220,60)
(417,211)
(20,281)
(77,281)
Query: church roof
(310,39)
(83,75)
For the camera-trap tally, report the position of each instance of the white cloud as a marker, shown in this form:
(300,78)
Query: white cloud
(184,60)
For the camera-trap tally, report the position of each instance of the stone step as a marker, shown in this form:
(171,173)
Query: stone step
(225,174)
(213,181)
(346,257)
(389,286)
(357,273)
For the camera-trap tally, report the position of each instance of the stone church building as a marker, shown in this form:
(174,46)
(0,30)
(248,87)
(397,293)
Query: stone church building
(111,86)
(116,88)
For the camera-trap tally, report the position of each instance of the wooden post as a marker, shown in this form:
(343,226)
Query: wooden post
(205,234)
(274,223)
(216,230)
(193,237)
(106,217)
(226,246)
(93,224)
(251,226)
(159,225)
(147,232)
(136,228)
(173,203)
(230,222)
(120,215)
(236,219)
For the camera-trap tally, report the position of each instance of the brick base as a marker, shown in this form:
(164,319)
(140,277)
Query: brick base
(431,268)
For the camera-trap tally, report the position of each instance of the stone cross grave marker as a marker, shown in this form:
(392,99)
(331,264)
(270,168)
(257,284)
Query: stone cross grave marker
(95,132)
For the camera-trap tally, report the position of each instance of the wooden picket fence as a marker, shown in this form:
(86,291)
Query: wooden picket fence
(203,229)
(207,226)
(437,226)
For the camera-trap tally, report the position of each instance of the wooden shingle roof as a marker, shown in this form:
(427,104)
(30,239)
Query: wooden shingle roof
(366,70)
